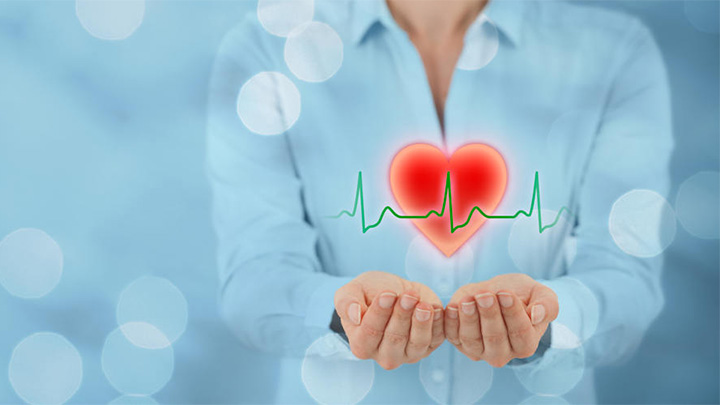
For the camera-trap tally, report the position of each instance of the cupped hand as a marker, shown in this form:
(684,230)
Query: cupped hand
(500,319)
(389,319)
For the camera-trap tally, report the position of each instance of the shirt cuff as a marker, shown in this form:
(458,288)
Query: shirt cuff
(322,302)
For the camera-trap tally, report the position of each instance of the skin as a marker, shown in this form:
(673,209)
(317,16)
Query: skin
(389,319)
(377,325)
(437,29)
(500,319)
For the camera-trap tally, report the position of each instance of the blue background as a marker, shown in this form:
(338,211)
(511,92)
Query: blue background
(102,147)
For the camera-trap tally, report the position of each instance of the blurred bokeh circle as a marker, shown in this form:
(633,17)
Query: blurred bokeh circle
(313,52)
(280,17)
(268,103)
(580,315)
(703,15)
(110,19)
(156,301)
(544,400)
(45,368)
(471,380)
(697,205)
(31,263)
(533,252)
(426,264)
(481,45)
(333,375)
(133,400)
(642,223)
(559,369)
(133,369)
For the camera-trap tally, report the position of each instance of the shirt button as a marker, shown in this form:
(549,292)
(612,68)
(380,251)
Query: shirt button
(437,376)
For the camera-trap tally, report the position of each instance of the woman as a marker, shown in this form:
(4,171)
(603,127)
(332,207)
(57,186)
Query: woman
(576,94)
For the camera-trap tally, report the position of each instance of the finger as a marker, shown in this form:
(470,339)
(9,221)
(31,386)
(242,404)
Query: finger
(494,333)
(350,305)
(543,307)
(365,339)
(438,330)
(469,331)
(452,323)
(391,352)
(420,332)
(521,334)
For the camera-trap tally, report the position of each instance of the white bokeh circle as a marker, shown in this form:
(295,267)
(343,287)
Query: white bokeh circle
(426,264)
(697,205)
(481,44)
(132,369)
(268,103)
(562,337)
(703,15)
(133,400)
(434,374)
(156,301)
(579,314)
(313,52)
(642,223)
(145,335)
(533,252)
(559,370)
(31,263)
(45,368)
(333,375)
(110,19)
(471,380)
(544,400)
(280,17)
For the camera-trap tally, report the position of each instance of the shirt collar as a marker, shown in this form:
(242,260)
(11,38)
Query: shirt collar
(365,14)
(507,15)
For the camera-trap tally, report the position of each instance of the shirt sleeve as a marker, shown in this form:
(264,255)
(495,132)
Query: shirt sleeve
(274,294)
(608,297)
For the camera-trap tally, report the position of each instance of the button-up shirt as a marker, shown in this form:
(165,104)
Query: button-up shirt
(577,94)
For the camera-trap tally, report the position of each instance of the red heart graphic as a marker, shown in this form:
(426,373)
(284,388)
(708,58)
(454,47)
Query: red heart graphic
(418,177)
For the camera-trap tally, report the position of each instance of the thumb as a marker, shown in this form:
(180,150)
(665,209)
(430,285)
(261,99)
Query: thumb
(543,306)
(350,303)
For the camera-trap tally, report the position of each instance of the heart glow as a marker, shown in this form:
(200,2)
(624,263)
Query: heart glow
(478,177)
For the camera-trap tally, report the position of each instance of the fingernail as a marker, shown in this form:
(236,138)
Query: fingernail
(422,315)
(484,300)
(537,314)
(387,300)
(354,313)
(506,300)
(438,314)
(408,301)
(468,308)
(452,312)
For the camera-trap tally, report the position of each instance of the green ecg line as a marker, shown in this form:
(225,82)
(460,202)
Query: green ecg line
(447,203)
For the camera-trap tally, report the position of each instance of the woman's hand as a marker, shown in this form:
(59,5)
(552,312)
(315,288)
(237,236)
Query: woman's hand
(500,319)
(389,319)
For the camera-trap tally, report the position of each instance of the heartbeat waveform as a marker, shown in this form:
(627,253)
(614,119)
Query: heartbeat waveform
(447,204)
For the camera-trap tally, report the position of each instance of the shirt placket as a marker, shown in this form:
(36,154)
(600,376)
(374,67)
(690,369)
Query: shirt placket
(435,370)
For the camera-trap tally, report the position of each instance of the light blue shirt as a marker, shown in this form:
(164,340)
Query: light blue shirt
(575,93)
